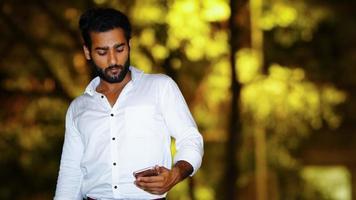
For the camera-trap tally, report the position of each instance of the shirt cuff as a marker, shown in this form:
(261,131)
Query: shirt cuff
(192,157)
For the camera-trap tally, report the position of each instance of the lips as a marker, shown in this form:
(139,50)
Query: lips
(114,70)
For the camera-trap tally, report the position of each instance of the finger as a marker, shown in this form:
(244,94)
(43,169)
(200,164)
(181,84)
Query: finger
(149,185)
(158,191)
(153,188)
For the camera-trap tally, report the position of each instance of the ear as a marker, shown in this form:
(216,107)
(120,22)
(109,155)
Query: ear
(86,52)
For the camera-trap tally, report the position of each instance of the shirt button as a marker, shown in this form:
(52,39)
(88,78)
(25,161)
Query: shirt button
(102,96)
(115,187)
(112,115)
(113,138)
(114,163)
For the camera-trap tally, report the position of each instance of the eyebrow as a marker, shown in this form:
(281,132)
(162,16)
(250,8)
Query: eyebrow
(119,45)
(107,48)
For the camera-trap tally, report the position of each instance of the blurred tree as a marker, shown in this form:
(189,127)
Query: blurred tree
(40,73)
(46,35)
(288,24)
(288,96)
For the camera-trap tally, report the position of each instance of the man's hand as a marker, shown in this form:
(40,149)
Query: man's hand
(166,178)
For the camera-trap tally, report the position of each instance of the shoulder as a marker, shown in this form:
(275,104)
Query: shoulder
(156,77)
(148,78)
(159,79)
(78,103)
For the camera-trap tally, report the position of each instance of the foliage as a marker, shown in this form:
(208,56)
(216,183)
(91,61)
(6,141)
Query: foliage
(327,182)
(292,93)
(291,106)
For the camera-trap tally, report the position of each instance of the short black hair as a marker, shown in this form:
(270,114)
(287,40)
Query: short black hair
(101,20)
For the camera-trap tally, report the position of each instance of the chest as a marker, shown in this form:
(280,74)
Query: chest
(133,111)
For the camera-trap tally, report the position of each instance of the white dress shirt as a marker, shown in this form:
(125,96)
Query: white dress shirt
(104,145)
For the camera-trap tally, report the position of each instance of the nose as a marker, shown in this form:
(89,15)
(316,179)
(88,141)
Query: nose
(112,58)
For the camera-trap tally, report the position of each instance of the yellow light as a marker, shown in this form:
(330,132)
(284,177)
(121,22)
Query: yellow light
(333,182)
(147,37)
(159,52)
(216,10)
(144,13)
(285,15)
(141,61)
(247,65)
(193,53)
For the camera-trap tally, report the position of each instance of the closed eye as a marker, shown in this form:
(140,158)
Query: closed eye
(101,52)
(120,48)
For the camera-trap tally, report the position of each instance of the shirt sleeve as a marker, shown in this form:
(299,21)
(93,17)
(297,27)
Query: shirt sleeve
(181,125)
(70,175)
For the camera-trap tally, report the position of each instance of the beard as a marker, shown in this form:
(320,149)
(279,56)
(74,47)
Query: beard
(113,73)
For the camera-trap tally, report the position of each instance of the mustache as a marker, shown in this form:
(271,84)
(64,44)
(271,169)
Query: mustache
(115,66)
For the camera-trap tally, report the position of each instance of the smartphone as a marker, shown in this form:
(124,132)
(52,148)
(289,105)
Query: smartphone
(149,171)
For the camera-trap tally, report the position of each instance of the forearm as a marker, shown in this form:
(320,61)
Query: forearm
(181,170)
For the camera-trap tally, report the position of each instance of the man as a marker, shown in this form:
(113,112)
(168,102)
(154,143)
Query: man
(124,122)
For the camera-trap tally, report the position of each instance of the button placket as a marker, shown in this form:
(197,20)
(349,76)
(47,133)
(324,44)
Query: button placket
(112,128)
(113,145)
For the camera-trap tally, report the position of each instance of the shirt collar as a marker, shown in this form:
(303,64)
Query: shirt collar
(136,75)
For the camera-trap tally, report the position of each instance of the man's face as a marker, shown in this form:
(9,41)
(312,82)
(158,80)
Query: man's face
(109,54)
